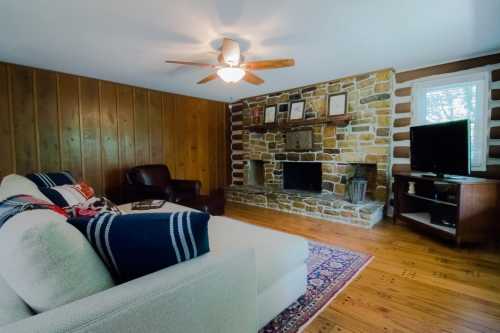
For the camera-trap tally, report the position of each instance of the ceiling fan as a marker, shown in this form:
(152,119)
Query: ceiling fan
(232,67)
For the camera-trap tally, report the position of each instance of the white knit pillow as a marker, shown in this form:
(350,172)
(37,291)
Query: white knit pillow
(48,262)
(15,185)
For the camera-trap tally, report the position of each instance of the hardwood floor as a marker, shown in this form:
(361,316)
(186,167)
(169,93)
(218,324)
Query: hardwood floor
(414,284)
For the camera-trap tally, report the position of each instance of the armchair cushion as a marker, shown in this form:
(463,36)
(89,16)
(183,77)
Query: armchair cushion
(185,189)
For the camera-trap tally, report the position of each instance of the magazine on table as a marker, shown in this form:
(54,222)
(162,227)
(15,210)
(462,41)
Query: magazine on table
(148,204)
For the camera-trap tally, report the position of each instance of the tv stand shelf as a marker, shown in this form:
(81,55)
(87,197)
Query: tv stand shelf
(425,219)
(431,200)
(464,210)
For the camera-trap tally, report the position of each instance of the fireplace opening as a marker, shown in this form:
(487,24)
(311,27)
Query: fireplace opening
(255,173)
(303,176)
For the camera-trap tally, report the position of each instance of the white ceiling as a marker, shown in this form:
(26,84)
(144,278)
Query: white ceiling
(127,41)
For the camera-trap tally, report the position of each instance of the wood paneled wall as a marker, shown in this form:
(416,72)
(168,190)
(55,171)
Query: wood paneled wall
(98,129)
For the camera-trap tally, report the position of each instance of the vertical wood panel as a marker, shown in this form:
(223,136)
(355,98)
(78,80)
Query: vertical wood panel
(214,146)
(6,166)
(126,129)
(109,140)
(155,125)
(71,154)
(169,135)
(141,126)
(48,122)
(180,149)
(91,143)
(204,146)
(23,119)
(98,130)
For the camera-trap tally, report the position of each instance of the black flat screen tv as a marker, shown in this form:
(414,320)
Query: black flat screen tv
(443,148)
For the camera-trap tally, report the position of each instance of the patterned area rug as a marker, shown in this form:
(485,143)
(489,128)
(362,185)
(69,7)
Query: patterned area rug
(330,269)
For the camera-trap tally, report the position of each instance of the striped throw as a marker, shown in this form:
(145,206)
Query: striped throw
(134,245)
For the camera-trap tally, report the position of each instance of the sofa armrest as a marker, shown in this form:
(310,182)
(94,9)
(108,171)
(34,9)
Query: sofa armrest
(212,293)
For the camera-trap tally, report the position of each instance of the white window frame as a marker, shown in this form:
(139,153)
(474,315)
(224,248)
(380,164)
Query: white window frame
(420,87)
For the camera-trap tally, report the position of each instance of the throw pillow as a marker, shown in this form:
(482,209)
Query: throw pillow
(134,245)
(15,185)
(51,179)
(47,262)
(69,195)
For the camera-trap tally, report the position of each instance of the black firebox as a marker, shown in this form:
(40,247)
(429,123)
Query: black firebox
(303,176)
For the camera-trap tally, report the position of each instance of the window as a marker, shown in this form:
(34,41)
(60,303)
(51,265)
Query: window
(454,98)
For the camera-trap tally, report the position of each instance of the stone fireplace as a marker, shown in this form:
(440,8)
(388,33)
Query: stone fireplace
(269,173)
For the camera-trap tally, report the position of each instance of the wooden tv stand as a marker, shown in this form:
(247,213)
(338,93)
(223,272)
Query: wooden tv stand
(464,210)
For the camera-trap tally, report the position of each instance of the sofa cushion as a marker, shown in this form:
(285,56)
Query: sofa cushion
(277,253)
(139,244)
(47,262)
(12,307)
(15,185)
(50,179)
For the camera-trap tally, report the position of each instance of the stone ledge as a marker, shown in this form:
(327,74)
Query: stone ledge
(328,207)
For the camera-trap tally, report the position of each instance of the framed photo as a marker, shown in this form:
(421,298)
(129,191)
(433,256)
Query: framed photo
(283,107)
(296,110)
(256,114)
(337,105)
(270,114)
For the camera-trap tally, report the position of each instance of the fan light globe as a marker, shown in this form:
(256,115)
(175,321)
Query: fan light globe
(231,74)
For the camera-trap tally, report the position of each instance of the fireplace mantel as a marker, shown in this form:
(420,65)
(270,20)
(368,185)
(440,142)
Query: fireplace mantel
(338,121)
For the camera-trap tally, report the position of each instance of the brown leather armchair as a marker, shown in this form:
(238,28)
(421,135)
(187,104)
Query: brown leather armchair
(154,182)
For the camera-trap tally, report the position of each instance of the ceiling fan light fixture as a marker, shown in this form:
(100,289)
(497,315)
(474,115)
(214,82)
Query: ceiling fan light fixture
(231,74)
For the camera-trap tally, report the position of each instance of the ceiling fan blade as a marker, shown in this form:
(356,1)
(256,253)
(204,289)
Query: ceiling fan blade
(230,52)
(252,78)
(189,63)
(268,64)
(208,78)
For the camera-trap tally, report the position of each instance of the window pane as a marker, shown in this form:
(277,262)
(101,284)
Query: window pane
(454,102)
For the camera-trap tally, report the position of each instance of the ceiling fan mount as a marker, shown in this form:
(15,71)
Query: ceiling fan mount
(232,67)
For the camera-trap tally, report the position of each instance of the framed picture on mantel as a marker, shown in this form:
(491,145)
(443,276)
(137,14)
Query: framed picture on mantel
(337,105)
(296,112)
(270,114)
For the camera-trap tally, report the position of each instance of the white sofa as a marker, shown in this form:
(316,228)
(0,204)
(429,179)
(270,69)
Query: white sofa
(280,259)
(250,275)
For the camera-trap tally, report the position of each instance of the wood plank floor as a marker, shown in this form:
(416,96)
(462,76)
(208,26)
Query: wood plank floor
(414,284)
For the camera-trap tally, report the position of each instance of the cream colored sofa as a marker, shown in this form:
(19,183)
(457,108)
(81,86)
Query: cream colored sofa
(280,259)
(250,275)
